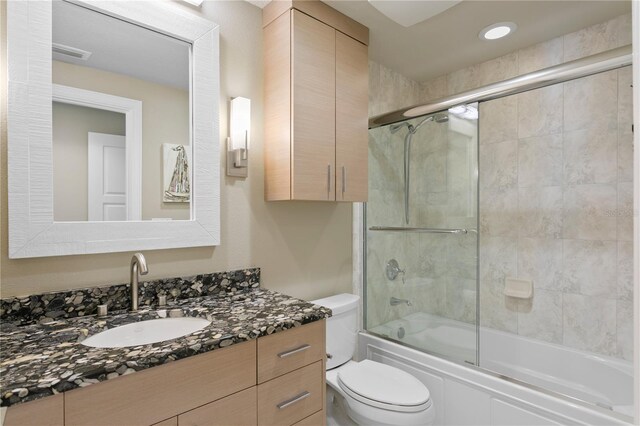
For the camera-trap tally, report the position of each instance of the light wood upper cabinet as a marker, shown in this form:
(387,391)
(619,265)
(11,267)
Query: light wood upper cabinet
(352,103)
(316,102)
(313,150)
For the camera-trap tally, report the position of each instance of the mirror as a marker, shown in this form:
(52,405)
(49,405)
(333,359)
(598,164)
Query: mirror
(113,127)
(109,165)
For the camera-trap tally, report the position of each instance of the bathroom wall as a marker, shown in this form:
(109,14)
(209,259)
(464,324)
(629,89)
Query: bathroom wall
(555,203)
(165,119)
(303,248)
(72,123)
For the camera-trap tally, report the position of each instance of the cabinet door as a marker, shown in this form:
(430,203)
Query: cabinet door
(239,409)
(313,145)
(352,99)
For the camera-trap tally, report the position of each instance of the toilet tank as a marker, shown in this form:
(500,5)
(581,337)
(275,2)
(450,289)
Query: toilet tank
(342,327)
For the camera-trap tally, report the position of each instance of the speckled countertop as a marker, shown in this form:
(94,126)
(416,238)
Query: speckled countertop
(39,360)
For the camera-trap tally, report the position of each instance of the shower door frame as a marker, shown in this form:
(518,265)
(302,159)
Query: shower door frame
(594,64)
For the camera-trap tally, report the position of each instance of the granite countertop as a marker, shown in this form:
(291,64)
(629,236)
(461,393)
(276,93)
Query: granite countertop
(39,360)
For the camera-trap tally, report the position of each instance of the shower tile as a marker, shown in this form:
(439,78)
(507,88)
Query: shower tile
(499,213)
(497,258)
(591,102)
(591,156)
(463,79)
(497,261)
(433,260)
(540,212)
(624,212)
(590,267)
(540,161)
(460,300)
(540,260)
(540,112)
(589,323)
(499,166)
(625,29)
(625,270)
(499,120)
(501,68)
(541,55)
(597,38)
(625,157)
(625,100)
(434,89)
(383,208)
(625,122)
(589,212)
(462,255)
(624,329)
(541,317)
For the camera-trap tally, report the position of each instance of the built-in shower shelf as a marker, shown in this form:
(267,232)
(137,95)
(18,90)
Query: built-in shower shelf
(421,230)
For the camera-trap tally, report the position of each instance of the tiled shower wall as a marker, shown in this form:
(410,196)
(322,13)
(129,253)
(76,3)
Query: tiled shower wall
(555,202)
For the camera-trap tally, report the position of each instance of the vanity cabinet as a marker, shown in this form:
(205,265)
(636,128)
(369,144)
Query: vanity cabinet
(316,103)
(275,380)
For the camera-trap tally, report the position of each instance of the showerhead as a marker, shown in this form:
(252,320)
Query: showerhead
(395,127)
(438,118)
(441,118)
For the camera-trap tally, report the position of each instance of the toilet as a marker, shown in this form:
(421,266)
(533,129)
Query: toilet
(368,392)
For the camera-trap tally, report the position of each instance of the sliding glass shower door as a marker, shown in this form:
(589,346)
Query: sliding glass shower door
(421,228)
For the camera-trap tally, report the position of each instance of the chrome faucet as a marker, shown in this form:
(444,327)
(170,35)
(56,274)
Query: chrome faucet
(138,264)
(395,301)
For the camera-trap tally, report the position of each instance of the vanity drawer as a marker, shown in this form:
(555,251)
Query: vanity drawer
(292,397)
(155,394)
(239,409)
(48,411)
(288,350)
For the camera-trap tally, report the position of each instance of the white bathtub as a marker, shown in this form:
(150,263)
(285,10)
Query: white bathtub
(602,381)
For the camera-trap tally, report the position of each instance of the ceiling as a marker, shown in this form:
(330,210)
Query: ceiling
(449,40)
(120,47)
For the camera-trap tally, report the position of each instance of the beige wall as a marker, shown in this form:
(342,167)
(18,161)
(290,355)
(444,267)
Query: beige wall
(303,248)
(165,119)
(71,125)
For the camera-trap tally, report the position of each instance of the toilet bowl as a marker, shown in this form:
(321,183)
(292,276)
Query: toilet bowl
(369,392)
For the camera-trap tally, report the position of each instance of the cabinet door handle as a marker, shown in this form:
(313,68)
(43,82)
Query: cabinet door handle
(344,180)
(293,400)
(328,181)
(294,351)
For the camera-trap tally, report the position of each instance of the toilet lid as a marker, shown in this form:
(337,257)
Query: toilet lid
(380,384)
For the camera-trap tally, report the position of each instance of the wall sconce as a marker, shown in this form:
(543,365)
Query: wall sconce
(239,136)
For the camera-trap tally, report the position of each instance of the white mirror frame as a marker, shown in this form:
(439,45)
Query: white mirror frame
(32,230)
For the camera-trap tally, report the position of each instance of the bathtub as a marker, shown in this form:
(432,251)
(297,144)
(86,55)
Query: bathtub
(601,386)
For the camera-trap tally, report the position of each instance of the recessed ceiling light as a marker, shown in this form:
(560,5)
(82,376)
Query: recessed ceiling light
(496,31)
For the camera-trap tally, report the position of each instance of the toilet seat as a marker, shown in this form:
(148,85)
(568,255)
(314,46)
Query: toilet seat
(382,386)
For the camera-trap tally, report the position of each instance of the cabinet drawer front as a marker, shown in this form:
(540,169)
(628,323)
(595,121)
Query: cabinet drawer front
(155,394)
(292,397)
(289,350)
(317,419)
(239,409)
(48,411)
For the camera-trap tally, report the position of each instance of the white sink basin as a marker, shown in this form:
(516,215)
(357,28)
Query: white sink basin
(145,332)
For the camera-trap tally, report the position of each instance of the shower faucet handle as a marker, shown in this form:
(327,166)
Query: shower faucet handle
(393,270)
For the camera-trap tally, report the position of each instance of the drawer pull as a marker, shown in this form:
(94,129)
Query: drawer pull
(293,351)
(293,400)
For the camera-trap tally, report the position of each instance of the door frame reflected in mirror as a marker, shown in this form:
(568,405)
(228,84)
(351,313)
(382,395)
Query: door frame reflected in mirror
(132,110)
